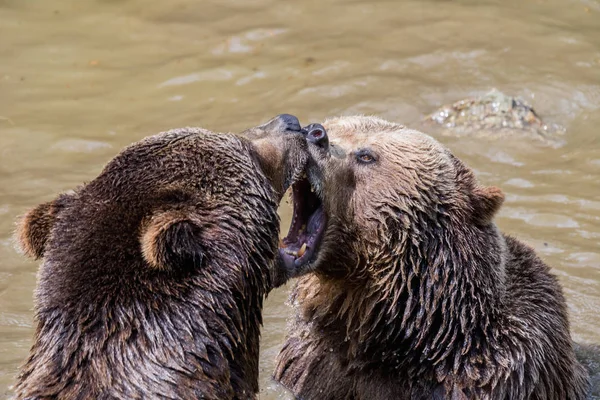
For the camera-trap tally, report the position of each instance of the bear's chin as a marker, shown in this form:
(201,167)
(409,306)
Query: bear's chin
(300,247)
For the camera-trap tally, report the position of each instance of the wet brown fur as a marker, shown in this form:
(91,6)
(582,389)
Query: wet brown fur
(416,294)
(154,273)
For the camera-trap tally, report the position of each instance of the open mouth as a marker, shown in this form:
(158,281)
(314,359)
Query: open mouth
(300,246)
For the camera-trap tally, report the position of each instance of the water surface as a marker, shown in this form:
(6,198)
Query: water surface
(80,80)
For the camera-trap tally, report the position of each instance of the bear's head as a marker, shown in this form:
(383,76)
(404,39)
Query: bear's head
(184,203)
(406,233)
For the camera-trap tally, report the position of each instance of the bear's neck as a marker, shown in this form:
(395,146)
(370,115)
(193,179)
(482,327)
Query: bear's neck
(436,298)
(193,337)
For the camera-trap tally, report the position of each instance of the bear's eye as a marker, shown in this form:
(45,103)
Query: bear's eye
(365,156)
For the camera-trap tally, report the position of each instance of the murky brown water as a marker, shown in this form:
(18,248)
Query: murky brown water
(79,80)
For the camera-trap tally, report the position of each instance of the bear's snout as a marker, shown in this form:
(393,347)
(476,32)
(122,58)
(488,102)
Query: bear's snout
(316,134)
(283,123)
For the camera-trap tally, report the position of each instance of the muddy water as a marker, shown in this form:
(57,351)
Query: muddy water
(79,80)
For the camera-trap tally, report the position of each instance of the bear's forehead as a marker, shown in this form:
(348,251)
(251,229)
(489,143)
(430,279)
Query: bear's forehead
(365,131)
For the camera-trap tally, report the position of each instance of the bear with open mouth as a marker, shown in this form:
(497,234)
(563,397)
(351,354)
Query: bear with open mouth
(415,293)
(154,273)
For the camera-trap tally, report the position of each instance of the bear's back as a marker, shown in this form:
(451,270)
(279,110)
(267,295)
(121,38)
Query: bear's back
(538,326)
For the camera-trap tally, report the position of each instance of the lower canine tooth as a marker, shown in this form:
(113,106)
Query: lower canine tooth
(302,250)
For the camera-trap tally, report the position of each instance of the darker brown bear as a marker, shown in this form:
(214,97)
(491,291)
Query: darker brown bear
(416,293)
(154,273)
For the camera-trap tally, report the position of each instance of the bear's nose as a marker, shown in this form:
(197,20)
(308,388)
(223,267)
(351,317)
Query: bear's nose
(316,133)
(286,122)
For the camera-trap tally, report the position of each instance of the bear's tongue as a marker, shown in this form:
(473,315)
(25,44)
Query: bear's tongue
(315,220)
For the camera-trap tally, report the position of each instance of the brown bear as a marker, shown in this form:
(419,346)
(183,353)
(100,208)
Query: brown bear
(154,273)
(415,294)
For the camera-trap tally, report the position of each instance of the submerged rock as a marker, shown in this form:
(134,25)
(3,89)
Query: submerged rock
(493,114)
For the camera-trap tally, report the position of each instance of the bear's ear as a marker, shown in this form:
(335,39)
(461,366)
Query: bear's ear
(486,201)
(171,240)
(34,228)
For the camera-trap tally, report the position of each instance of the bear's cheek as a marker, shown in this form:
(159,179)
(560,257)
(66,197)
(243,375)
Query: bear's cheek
(363,222)
(340,184)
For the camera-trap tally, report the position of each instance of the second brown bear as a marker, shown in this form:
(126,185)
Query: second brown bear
(416,293)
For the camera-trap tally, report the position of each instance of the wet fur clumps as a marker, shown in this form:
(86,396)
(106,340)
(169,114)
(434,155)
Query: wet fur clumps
(420,296)
(154,273)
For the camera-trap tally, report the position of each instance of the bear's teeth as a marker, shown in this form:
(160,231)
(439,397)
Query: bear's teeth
(302,250)
(281,244)
(291,252)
